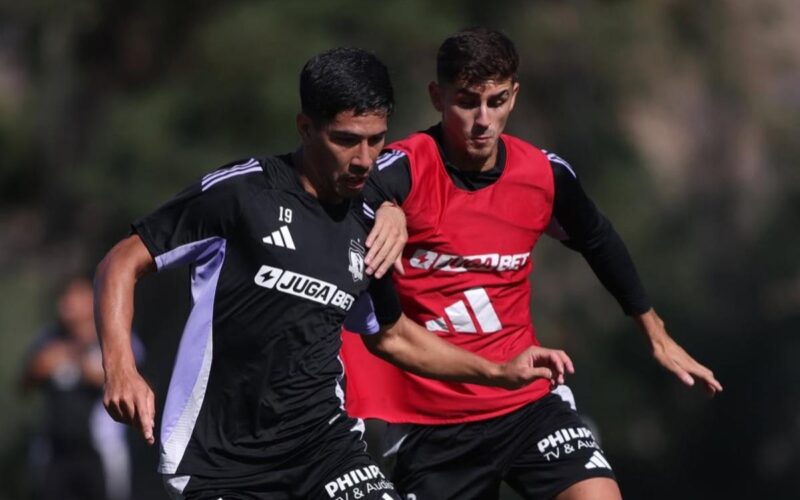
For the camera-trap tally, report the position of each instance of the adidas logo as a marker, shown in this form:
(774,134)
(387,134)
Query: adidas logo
(597,461)
(280,238)
(459,315)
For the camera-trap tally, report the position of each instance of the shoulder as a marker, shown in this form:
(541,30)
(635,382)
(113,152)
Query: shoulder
(416,144)
(396,158)
(251,174)
(231,174)
(561,168)
(520,147)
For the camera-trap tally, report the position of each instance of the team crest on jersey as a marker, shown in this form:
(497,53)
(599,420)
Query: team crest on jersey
(356,266)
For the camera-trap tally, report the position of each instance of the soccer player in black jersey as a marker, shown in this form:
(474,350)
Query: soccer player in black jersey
(276,247)
(541,448)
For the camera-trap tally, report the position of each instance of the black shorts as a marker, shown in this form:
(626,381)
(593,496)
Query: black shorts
(337,469)
(539,450)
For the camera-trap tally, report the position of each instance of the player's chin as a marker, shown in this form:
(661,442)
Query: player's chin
(479,154)
(350,191)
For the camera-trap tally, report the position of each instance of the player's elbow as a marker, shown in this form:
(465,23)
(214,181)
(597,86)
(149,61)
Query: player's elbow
(387,342)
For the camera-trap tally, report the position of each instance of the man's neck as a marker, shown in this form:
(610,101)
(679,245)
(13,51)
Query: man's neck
(458,158)
(311,181)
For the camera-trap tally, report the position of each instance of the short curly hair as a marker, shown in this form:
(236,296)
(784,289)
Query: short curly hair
(475,55)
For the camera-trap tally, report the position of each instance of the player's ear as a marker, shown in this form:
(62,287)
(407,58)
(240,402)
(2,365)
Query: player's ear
(435,92)
(514,92)
(304,125)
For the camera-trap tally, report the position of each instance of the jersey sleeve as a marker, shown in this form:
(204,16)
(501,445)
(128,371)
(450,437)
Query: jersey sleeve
(197,222)
(390,180)
(378,306)
(579,225)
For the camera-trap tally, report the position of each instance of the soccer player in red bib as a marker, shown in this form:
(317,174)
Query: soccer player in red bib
(276,248)
(476,202)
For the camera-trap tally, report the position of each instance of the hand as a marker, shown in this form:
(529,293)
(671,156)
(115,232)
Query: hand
(128,399)
(386,240)
(533,363)
(672,356)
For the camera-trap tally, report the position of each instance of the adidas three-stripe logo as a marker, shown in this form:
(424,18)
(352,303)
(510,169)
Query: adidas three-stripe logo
(598,461)
(280,238)
(461,319)
(251,165)
(387,158)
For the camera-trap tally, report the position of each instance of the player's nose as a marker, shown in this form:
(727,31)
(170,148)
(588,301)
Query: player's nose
(363,160)
(482,116)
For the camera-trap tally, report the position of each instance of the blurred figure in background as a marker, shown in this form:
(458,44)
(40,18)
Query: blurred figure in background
(80,452)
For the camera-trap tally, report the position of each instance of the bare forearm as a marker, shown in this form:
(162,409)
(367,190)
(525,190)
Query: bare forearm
(114,290)
(127,396)
(423,353)
(649,323)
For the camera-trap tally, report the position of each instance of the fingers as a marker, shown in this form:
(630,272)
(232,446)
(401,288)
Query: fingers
(541,372)
(675,361)
(687,370)
(398,266)
(564,364)
(134,406)
(378,246)
(144,415)
(385,259)
(557,365)
(114,411)
(712,385)
(386,240)
(567,362)
(559,362)
(374,243)
(147,419)
(385,251)
(682,374)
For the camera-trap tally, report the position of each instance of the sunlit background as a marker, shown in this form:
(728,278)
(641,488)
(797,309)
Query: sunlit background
(681,118)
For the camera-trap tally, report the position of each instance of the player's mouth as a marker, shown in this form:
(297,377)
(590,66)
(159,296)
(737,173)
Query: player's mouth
(356,182)
(481,140)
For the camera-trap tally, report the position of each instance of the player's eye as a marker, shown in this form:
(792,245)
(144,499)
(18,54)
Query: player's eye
(376,140)
(467,103)
(499,100)
(345,140)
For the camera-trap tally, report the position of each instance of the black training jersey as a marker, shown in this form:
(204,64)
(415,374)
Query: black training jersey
(274,275)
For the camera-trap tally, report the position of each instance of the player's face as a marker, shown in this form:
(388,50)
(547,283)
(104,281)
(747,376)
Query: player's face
(473,117)
(342,152)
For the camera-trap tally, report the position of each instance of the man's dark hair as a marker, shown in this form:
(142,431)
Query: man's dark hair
(345,79)
(475,55)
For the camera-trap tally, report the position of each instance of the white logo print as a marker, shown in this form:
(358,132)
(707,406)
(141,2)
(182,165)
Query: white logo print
(427,259)
(359,482)
(280,238)
(566,441)
(303,286)
(459,316)
(598,461)
(356,266)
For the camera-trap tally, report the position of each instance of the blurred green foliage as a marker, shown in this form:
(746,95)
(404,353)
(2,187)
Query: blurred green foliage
(680,117)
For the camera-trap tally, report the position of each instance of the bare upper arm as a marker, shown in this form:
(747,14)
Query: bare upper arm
(130,255)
